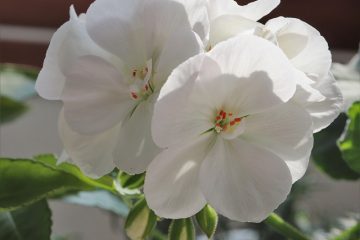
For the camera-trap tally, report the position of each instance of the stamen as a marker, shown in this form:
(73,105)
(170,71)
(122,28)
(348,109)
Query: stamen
(224,121)
(134,95)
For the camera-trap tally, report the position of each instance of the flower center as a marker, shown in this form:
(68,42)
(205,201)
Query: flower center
(141,87)
(225,121)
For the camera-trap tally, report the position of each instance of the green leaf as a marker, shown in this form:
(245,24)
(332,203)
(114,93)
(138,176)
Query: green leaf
(105,182)
(182,229)
(327,155)
(131,181)
(207,219)
(140,221)
(10,109)
(350,142)
(100,199)
(29,223)
(24,181)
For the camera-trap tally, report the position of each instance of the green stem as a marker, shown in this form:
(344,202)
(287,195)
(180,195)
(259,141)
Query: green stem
(348,234)
(284,228)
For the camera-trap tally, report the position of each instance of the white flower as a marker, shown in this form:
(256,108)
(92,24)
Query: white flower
(107,67)
(304,46)
(227,18)
(232,137)
(308,51)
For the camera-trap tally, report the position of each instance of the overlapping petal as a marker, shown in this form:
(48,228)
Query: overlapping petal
(286,131)
(137,31)
(176,112)
(69,42)
(95,96)
(245,55)
(172,184)
(323,112)
(303,44)
(243,182)
(92,153)
(135,148)
(227,26)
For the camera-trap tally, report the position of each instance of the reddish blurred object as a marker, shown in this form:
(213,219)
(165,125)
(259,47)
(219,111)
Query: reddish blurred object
(338,21)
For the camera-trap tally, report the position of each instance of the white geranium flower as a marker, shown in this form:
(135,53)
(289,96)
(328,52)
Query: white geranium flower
(227,18)
(107,67)
(308,51)
(232,137)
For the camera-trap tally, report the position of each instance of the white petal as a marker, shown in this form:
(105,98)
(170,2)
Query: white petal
(51,80)
(227,26)
(324,112)
(171,183)
(285,131)
(258,9)
(91,153)
(135,148)
(198,16)
(142,27)
(116,26)
(95,96)
(303,44)
(69,42)
(243,182)
(253,11)
(78,43)
(305,90)
(256,59)
(172,55)
(177,117)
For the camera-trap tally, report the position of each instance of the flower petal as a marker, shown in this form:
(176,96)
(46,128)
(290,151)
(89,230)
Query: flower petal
(243,182)
(116,26)
(95,96)
(171,55)
(171,183)
(261,62)
(135,147)
(258,9)
(253,11)
(93,154)
(177,117)
(303,44)
(287,132)
(142,27)
(68,43)
(324,112)
(51,80)
(227,26)
(198,16)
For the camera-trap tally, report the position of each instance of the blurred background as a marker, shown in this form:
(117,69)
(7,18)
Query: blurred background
(26,28)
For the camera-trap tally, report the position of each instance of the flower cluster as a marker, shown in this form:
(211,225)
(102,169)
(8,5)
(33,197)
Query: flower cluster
(215,106)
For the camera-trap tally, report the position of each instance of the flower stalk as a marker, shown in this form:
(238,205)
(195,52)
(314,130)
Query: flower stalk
(284,228)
